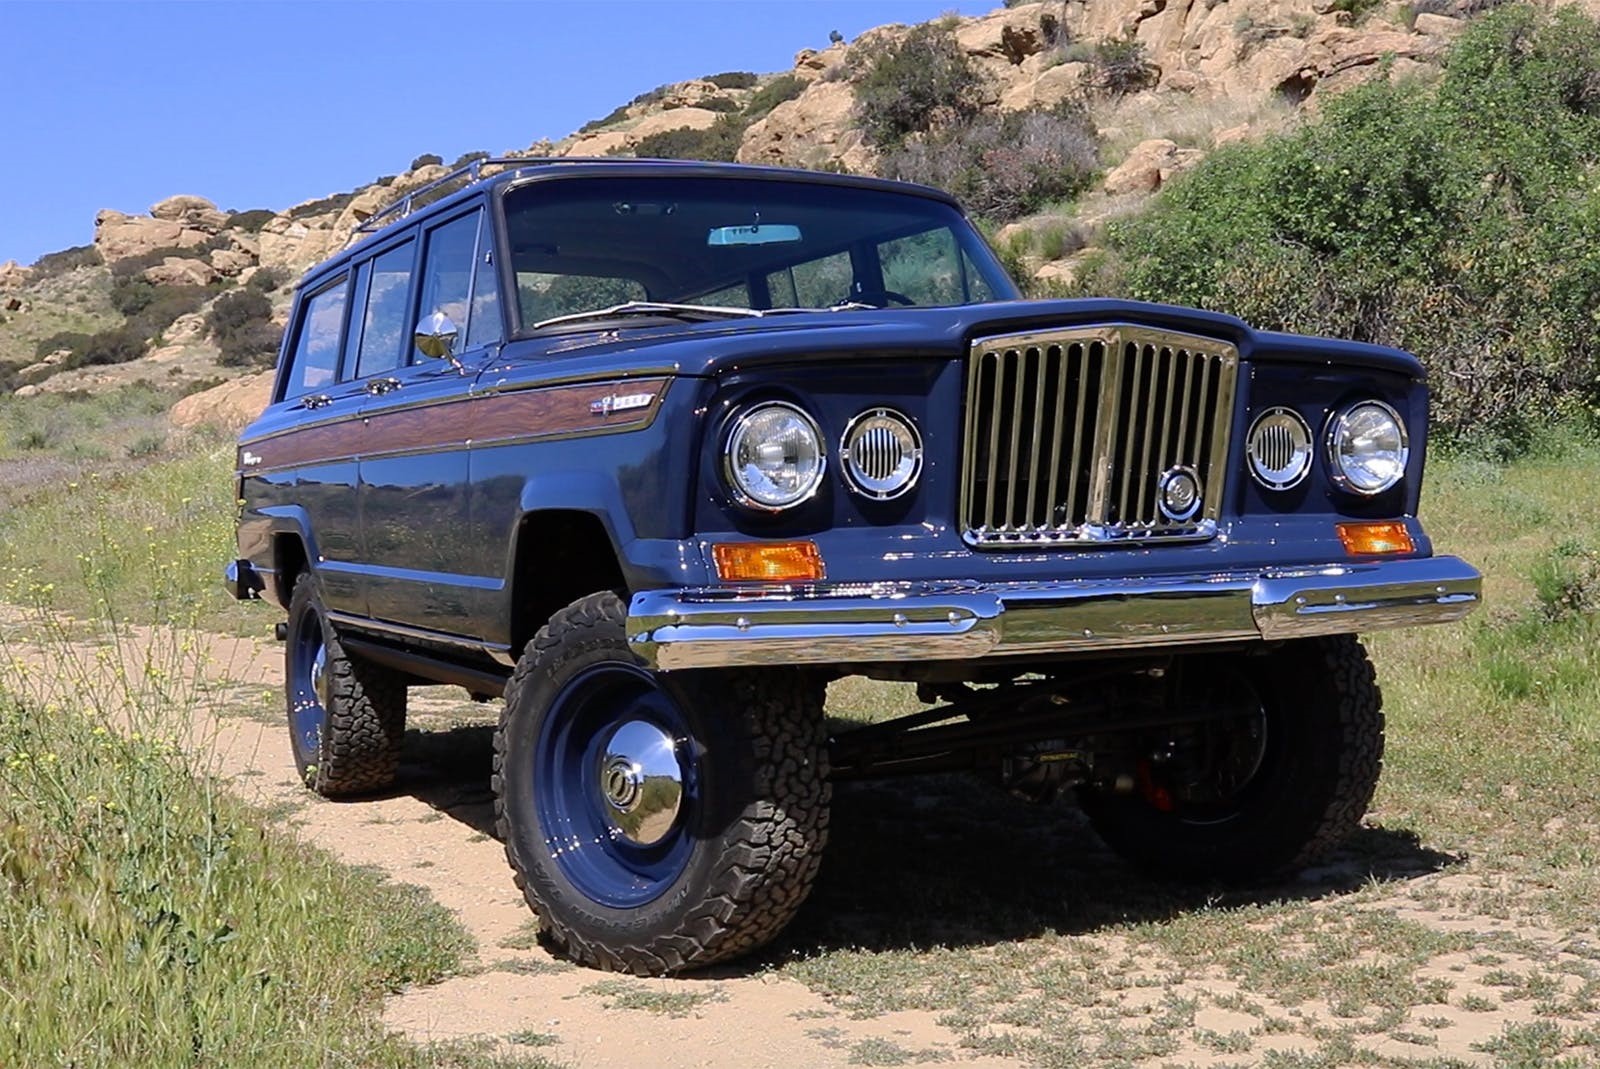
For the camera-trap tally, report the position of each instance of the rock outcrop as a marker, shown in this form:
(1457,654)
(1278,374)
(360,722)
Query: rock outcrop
(229,406)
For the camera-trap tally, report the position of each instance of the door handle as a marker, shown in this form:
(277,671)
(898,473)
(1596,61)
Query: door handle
(318,400)
(384,385)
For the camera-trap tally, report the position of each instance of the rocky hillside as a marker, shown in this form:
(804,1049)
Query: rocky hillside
(1120,94)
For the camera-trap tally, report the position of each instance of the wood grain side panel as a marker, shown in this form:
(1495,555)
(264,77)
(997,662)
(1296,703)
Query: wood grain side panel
(536,413)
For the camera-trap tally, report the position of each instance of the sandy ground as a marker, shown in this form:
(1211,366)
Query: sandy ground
(435,830)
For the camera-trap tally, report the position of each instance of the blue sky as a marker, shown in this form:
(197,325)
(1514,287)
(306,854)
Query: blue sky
(264,105)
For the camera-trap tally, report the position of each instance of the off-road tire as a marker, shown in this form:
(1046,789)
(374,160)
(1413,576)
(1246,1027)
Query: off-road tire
(1324,716)
(754,841)
(358,751)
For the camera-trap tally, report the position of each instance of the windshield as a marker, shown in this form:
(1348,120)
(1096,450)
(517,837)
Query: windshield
(593,243)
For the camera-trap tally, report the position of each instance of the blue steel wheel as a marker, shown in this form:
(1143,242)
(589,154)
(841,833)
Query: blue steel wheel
(615,781)
(347,717)
(656,822)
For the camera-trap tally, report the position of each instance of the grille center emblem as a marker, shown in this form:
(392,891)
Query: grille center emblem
(1178,494)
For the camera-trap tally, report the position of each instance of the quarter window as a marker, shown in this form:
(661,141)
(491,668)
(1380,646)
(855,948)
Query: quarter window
(383,321)
(314,364)
(447,274)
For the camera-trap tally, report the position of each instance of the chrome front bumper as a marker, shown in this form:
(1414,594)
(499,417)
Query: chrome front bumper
(822,624)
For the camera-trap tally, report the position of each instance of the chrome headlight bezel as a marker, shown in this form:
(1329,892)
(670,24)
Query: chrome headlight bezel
(908,469)
(741,424)
(1300,443)
(1338,434)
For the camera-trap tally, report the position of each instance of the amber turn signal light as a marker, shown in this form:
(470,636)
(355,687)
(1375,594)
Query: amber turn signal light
(767,562)
(1365,539)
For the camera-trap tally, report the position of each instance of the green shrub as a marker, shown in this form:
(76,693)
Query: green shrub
(1119,65)
(732,80)
(781,90)
(267,279)
(616,114)
(468,157)
(69,340)
(335,203)
(1456,222)
(1566,582)
(234,311)
(255,345)
(52,264)
(1003,167)
(166,304)
(718,142)
(427,159)
(250,221)
(905,87)
(120,345)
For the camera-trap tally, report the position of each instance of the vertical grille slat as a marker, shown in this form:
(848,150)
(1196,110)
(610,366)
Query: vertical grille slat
(1072,436)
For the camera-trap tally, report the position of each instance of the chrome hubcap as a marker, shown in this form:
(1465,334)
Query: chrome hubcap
(641,782)
(321,683)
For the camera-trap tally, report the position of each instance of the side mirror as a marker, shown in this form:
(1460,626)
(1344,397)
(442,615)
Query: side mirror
(436,336)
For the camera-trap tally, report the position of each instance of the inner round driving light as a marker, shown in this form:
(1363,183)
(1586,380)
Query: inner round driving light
(774,456)
(1367,448)
(1279,448)
(882,454)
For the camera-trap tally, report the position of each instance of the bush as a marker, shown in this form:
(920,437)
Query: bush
(166,304)
(781,90)
(250,221)
(617,114)
(120,345)
(1455,222)
(70,340)
(732,80)
(234,312)
(325,206)
(1119,65)
(1004,167)
(253,345)
(718,142)
(267,279)
(906,87)
(52,264)
(427,159)
(468,157)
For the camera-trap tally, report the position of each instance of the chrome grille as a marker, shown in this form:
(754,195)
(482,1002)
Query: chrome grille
(1070,434)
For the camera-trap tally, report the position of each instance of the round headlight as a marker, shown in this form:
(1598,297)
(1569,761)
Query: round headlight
(882,454)
(1279,448)
(1367,448)
(774,456)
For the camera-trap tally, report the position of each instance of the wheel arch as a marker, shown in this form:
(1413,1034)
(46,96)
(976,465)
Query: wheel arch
(559,556)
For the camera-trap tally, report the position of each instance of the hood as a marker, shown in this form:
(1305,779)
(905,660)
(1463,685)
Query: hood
(705,349)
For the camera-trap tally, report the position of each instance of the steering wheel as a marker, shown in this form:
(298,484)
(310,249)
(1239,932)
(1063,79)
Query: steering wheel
(882,298)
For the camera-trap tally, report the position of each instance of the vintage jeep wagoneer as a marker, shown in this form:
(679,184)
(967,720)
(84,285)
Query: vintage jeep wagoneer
(657,449)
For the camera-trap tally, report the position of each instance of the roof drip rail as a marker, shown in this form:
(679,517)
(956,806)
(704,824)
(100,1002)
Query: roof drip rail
(471,172)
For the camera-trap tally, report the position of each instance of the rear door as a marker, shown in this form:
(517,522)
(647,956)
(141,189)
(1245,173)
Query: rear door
(413,485)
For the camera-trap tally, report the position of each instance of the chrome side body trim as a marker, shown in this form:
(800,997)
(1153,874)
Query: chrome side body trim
(821,624)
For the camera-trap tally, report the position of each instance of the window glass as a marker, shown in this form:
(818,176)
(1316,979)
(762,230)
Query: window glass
(385,334)
(544,296)
(314,365)
(486,328)
(735,296)
(816,283)
(978,287)
(358,299)
(923,267)
(447,275)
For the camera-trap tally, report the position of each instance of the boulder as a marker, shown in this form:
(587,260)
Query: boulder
(229,406)
(13,275)
(193,212)
(1149,165)
(186,329)
(811,64)
(1439,25)
(118,236)
(813,130)
(1045,90)
(179,271)
(231,261)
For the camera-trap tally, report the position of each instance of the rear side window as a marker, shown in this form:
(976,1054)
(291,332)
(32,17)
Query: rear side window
(388,306)
(314,363)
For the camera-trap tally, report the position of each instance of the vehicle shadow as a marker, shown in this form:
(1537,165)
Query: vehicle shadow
(951,861)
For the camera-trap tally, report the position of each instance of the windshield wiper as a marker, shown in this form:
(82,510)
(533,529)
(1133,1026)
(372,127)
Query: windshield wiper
(653,308)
